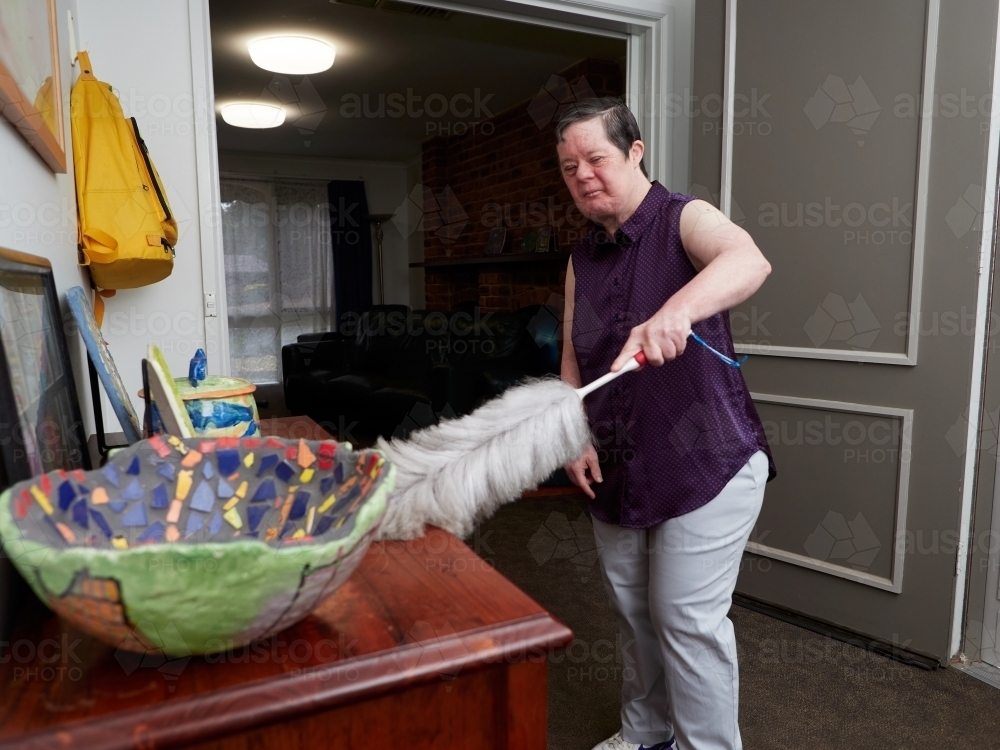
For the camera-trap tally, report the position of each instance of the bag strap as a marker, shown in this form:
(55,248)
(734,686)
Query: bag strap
(86,71)
(99,246)
(99,296)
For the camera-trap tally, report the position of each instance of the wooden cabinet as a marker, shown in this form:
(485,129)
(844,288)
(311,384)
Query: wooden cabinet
(425,646)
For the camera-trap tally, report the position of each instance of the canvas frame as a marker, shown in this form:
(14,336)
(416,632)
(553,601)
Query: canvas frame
(21,112)
(14,466)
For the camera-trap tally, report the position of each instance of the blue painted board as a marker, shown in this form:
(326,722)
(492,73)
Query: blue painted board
(97,348)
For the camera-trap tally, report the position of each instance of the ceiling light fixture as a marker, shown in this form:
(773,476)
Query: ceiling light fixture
(253,115)
(293,55)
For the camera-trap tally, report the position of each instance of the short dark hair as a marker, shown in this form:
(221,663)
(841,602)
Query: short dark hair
(620,125)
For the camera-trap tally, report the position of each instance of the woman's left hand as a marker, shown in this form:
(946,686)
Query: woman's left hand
(661,338)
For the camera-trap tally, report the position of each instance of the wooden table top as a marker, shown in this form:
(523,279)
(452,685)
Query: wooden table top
(412,612)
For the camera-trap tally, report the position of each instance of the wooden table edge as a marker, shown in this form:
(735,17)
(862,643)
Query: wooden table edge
(222,712)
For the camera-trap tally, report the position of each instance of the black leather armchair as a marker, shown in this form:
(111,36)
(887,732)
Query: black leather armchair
(390,370)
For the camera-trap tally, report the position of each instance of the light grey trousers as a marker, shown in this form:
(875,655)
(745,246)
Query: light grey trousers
(671,587)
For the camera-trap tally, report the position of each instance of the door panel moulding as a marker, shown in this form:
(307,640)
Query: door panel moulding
(920,199)
(895,583)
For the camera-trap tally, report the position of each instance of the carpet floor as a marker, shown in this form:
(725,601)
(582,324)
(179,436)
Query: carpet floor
(798,690)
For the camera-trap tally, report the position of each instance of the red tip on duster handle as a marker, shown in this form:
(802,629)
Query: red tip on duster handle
(641,359)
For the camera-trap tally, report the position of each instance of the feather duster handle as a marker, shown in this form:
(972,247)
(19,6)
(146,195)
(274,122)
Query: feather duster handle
(461,471)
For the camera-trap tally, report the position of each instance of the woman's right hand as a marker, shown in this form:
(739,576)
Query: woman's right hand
(585,471)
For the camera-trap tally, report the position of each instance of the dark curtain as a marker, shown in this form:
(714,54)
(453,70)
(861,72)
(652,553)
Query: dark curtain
(351,239)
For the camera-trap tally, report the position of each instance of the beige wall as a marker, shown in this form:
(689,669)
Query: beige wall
(157,90)
(38,208)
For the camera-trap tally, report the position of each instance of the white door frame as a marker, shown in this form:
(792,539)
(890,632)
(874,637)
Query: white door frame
(660,36)
(213,269)
(986,248)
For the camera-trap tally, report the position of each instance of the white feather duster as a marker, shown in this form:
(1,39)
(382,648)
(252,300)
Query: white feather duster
(459,472)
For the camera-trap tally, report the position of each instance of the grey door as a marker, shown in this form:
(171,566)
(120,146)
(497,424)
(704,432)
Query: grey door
(867,205)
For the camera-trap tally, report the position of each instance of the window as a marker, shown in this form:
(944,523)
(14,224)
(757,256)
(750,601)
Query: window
(279,270)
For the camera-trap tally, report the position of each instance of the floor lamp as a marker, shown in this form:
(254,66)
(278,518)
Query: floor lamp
(376,220)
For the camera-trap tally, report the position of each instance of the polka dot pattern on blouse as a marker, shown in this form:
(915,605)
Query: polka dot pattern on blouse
(668,438)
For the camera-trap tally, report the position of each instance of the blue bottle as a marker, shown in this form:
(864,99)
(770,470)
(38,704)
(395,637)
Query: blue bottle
(197,368)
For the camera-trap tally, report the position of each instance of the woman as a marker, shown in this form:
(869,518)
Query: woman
(677,478)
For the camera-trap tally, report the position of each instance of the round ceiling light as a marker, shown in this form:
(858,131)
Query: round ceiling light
(294,55)
(253,115)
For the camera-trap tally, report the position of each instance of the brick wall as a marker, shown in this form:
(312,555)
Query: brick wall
(505,173)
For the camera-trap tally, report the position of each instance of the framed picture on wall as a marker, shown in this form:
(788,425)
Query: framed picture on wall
(30,87)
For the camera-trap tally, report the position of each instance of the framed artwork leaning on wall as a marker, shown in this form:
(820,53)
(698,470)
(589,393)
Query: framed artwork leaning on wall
(39,410)
(41,428)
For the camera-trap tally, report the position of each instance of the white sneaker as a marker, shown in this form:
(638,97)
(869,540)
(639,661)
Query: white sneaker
(617,743)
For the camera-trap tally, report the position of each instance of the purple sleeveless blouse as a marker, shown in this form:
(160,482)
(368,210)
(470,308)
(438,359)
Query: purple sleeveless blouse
(668,438)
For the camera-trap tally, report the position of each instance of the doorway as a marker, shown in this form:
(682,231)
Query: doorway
(383,184)
(656,44)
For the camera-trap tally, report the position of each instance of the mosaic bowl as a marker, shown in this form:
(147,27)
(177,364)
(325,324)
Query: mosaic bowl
(196,546)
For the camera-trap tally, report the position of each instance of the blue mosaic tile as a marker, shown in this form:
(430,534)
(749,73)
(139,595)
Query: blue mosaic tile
(117,505)
(153,534)
(101,523)
(223,490)
(267,462)
(80,513)
(322,525)
(135,516)
(325,485)
(160,497)
(215,526)
(134,468)
(134,491)
(254,515)
(288,527)
(265,491)
(229,461)
(284,472)
(110,472)
(167,471)
(66,495)
(338,473)
(207,470)
(299,505)
(194,523)
(204,498)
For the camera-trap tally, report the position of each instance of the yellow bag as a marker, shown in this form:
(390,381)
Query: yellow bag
(126,230)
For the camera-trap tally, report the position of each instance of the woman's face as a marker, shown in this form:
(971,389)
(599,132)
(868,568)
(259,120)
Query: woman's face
(599,176)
